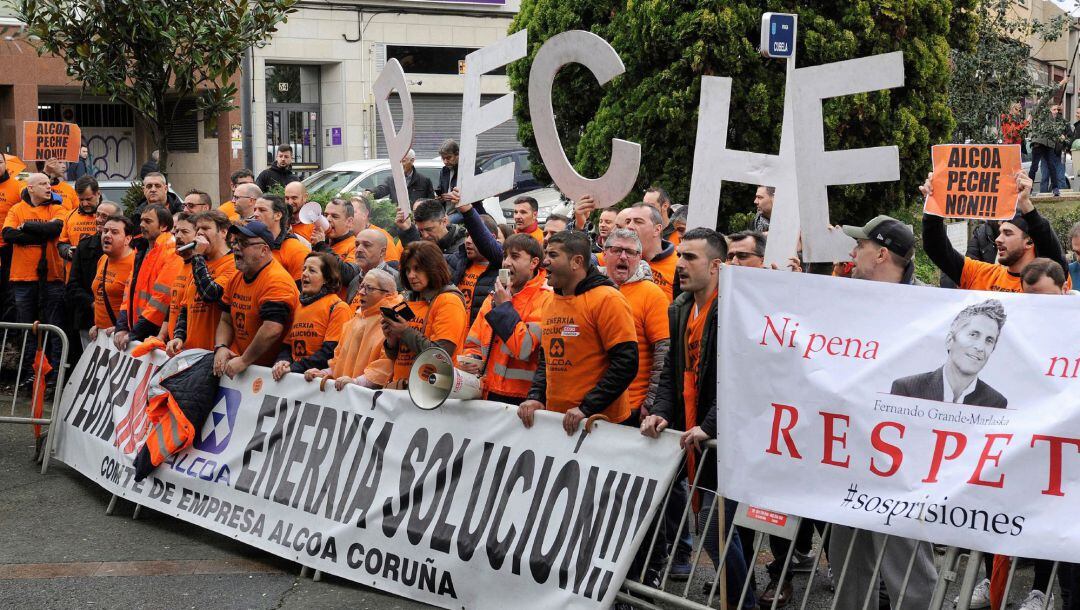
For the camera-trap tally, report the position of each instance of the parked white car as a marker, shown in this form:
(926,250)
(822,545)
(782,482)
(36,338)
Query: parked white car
(350,177)
(550,200)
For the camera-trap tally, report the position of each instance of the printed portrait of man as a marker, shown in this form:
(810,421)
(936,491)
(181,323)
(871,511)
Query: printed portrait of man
(972,337)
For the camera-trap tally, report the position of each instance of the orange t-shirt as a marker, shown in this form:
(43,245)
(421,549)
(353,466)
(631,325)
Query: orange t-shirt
(537,234)
(25,259)
(303,230)
(345,249)
(445,319)
(77,226)
(291,256)
(229,210)
(203,317)
(177,292)
(244,299)
(313,324)
(695,328)
(578,331)
(663,272)
(649,306)
(10,194)
(467,285)
(71,198)
(978,275)
(112,283)
(393,246)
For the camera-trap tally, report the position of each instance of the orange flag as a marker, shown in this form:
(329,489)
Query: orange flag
(37,405)
(997,581)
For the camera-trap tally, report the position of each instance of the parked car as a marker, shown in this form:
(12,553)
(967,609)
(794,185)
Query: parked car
(350,177)
(114,190)
(548,199)
(523,177)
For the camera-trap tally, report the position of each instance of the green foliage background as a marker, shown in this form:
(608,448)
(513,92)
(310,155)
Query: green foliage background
(668,45)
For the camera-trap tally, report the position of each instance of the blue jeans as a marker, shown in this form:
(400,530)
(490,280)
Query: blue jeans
(1051,163)
(734,563)
(672,517)
(34,305)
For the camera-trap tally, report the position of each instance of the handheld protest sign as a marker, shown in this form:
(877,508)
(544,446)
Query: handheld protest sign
(476,119)
(44,140)
(398,143)
(593,52)
(974,181)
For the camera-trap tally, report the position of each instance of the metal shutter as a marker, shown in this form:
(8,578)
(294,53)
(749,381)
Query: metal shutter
(439,117)
(184,133)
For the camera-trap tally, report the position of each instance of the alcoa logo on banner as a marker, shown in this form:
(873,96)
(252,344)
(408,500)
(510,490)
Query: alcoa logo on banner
(218,429)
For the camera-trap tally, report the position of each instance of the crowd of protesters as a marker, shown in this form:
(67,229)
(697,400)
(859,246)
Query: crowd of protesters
(614,319)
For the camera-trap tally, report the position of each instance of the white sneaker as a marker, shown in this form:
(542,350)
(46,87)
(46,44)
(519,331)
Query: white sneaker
(980,597)
(1036,600)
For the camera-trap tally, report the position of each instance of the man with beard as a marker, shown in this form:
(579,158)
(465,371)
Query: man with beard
(1020,240)
(212,268)
(296,197)
(147,300)
(339,239)
(273,213)
(79,293)
(82,221)
(590,352)
(503,346)
(114,272)
(280,173)
(763,201)
(649,306)
(260,299)
(184,233)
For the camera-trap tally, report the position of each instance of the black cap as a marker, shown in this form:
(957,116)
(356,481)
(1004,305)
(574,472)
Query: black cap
(254,228)
(887,231)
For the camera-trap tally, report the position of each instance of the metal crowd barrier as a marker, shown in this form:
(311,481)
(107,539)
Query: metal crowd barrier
(650,583)
(32,336)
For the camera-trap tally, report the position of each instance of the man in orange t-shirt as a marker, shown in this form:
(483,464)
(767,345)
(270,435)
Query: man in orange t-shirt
(296,197)
(339,238)
(1022,239)
(82,221)
(646,221)
(10,192)
(261,299)
(33,227)
(362,221)
(114,271)
(649,305)
(56,170)
(240,176)
(590,349)
(212,269)
(287,250)
(658,198)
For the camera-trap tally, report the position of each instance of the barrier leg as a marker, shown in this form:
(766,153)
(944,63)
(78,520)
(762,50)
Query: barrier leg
(112,505)
(138,510)
(971,572)
(946,575)
(318,576)
(303,571)
(817,564)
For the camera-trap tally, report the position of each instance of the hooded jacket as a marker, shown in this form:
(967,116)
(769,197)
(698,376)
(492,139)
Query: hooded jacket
(507,338)
(146,303)
(274,175)
(360,351)
(604,315)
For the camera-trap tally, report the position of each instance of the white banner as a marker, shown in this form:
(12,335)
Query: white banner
(457,507)
(944,415)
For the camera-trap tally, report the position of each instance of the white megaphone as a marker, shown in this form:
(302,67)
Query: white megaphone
(311,213)
(433,379)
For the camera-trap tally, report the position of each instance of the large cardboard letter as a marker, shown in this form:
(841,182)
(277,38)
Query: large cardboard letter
(596,54)
(391,79)
(476,119)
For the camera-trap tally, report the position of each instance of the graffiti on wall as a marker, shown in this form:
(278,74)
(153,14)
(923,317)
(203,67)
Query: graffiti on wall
(113,152)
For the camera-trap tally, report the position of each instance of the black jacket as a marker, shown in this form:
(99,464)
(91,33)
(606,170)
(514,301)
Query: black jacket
(79,292)
(669,394)
(447,179)
(622,363)
(931,386)
(275,175)
(418,185)
(175,205)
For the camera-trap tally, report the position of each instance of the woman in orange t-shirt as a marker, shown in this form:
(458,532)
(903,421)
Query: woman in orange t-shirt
(438,308)
(316,325)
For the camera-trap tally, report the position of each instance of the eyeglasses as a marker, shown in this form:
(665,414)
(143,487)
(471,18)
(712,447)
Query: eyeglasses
(743,256)
(241,244)
(366,288)
(617,251)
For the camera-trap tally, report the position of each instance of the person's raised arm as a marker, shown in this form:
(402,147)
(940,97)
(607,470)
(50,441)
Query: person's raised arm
(936,241)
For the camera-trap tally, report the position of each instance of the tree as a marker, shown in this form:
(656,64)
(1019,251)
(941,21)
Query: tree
(668,45)
(154,54)
(992,74)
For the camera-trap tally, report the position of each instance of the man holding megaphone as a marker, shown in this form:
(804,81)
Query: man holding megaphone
(503,346)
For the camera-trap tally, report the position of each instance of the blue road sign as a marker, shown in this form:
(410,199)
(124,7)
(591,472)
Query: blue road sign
(778,35)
